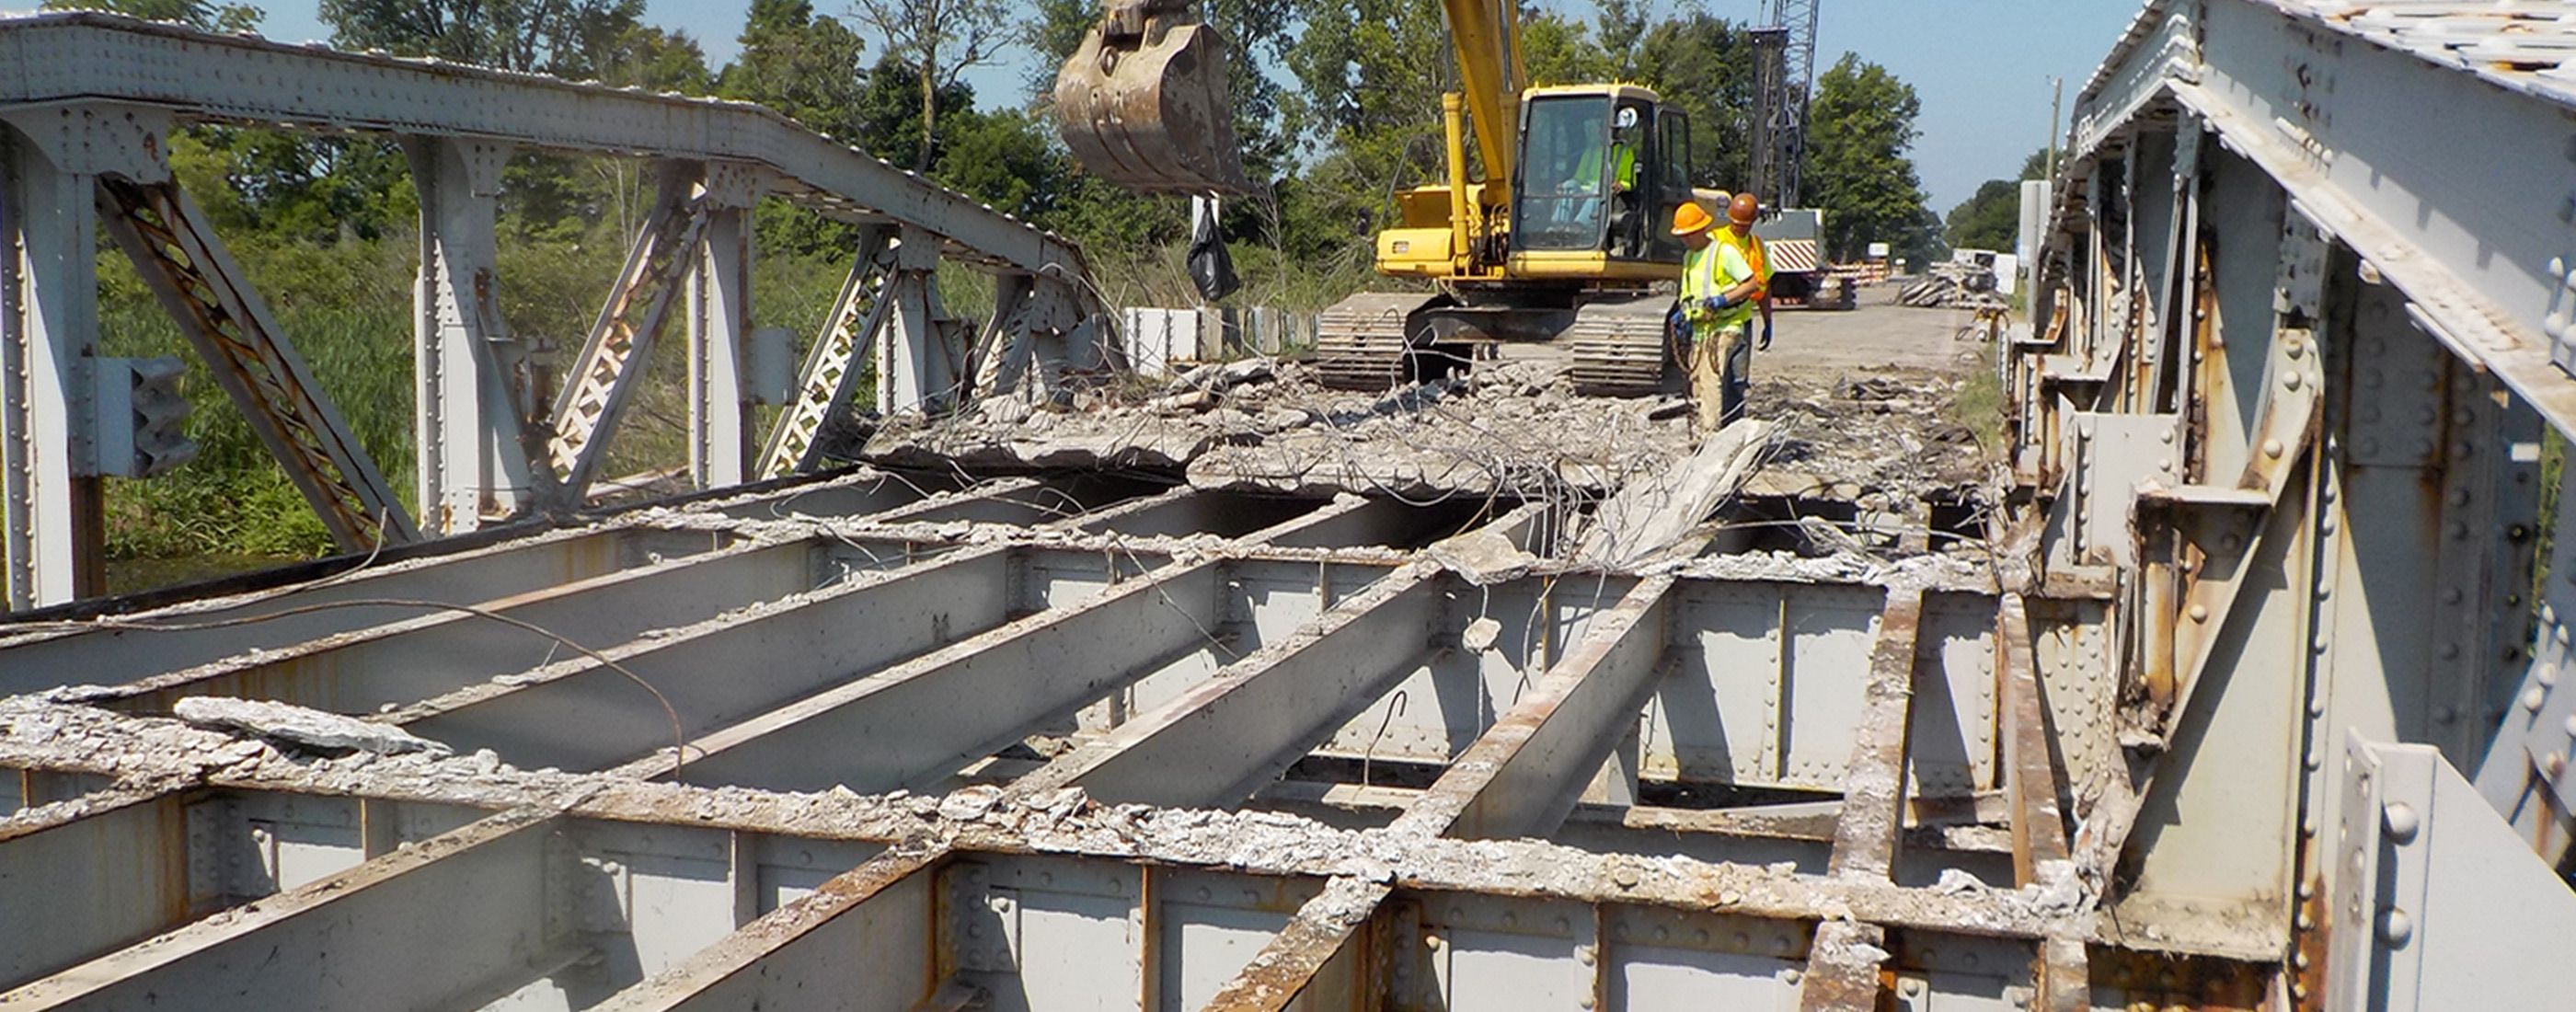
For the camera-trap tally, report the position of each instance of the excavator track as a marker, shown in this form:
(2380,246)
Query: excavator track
(1612,346)
(1360,342)
(1618,348)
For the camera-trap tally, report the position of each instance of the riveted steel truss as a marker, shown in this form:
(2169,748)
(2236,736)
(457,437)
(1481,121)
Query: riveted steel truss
(88,119)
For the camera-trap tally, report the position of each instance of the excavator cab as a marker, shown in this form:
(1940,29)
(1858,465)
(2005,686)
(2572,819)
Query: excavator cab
(1599,168)
(1144,102)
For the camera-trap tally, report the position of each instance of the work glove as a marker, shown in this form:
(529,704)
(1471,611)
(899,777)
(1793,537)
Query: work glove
(1677,322)
(1719,303)
(1765,343)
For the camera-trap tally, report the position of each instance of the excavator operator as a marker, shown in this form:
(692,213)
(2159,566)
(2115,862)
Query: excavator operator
(1718,287)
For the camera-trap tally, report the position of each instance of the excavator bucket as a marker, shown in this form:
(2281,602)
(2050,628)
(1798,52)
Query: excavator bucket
(1144,104)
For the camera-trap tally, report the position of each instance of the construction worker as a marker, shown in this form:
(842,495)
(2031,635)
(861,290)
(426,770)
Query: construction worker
(1718,287)
(1741,212)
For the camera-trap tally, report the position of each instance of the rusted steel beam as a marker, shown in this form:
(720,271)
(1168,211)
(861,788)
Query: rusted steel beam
(821,944)
(1526,772)
(1842,968)
(2065,975)
(2030,778)
(458,920)
(1321,931)
(1874,781)
(1220,740)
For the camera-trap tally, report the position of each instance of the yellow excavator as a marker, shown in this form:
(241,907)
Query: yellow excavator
(1550,252)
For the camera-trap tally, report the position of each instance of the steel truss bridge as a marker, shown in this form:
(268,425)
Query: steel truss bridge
(2253,707)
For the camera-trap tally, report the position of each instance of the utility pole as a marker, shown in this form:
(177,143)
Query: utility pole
(2056,102)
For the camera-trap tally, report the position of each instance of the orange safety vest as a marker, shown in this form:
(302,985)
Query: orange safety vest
(1751,246)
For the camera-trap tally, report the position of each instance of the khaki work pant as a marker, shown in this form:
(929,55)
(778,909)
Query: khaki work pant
(1720,365)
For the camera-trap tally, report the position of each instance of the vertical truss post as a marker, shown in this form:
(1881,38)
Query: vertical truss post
(620,347)
(55,541)
(719,318)
(175,250)
(474,445)
(828,385)
(917,369)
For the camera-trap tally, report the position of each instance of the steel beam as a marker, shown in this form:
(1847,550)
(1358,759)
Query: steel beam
(2031,781)
(903,724)
(2442,898)
(470,430)
(1874,781)
(719,286)
(130,647)
(2350,121)
(619,349)
(1218,741)
(1842,968)
(229,77)
(50,497)
(827,386)
(458,921)
(175,249)
(84,884)
(364,671)
(1526,772)
(582,714)
(865,940)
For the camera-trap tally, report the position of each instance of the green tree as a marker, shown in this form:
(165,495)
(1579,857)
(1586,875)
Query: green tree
(938,40)
(1860,127)
(812,69)
(566,38)
(1703,66)
(1992,218)
(213,17)
(1560,50)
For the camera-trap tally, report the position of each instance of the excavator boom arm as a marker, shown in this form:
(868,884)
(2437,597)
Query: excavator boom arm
(1487,37)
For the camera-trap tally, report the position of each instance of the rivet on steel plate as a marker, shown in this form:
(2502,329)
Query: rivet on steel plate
(2533,697)
(2546,674)
(2569,726)
(2200,613)
(2272,448)
(2291,381)
(2395,927)
(2401,820)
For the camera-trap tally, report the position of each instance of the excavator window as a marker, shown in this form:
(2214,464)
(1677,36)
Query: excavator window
(1566,171)
(1672,167)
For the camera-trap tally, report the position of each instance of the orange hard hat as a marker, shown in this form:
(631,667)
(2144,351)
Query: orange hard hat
(1690,218)
(1744,209)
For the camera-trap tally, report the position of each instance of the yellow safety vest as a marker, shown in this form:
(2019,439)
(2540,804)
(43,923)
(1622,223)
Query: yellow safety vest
(1708,272)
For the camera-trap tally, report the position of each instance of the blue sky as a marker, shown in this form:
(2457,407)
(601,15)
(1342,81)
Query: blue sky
(1981,68)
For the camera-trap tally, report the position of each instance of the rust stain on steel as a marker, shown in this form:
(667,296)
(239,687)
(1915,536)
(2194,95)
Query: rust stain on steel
(2065,975)
(1843,968)
(1874,781)
(1455,801)
(743,950)
(2038,830)
(1322,929)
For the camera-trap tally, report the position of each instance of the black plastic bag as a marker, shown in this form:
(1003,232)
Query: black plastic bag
(1211,268)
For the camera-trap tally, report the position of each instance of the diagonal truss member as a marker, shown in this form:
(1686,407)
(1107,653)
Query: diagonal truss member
(620,347)
(175,250)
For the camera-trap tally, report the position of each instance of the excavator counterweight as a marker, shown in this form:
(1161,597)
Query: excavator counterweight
(1145,103)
